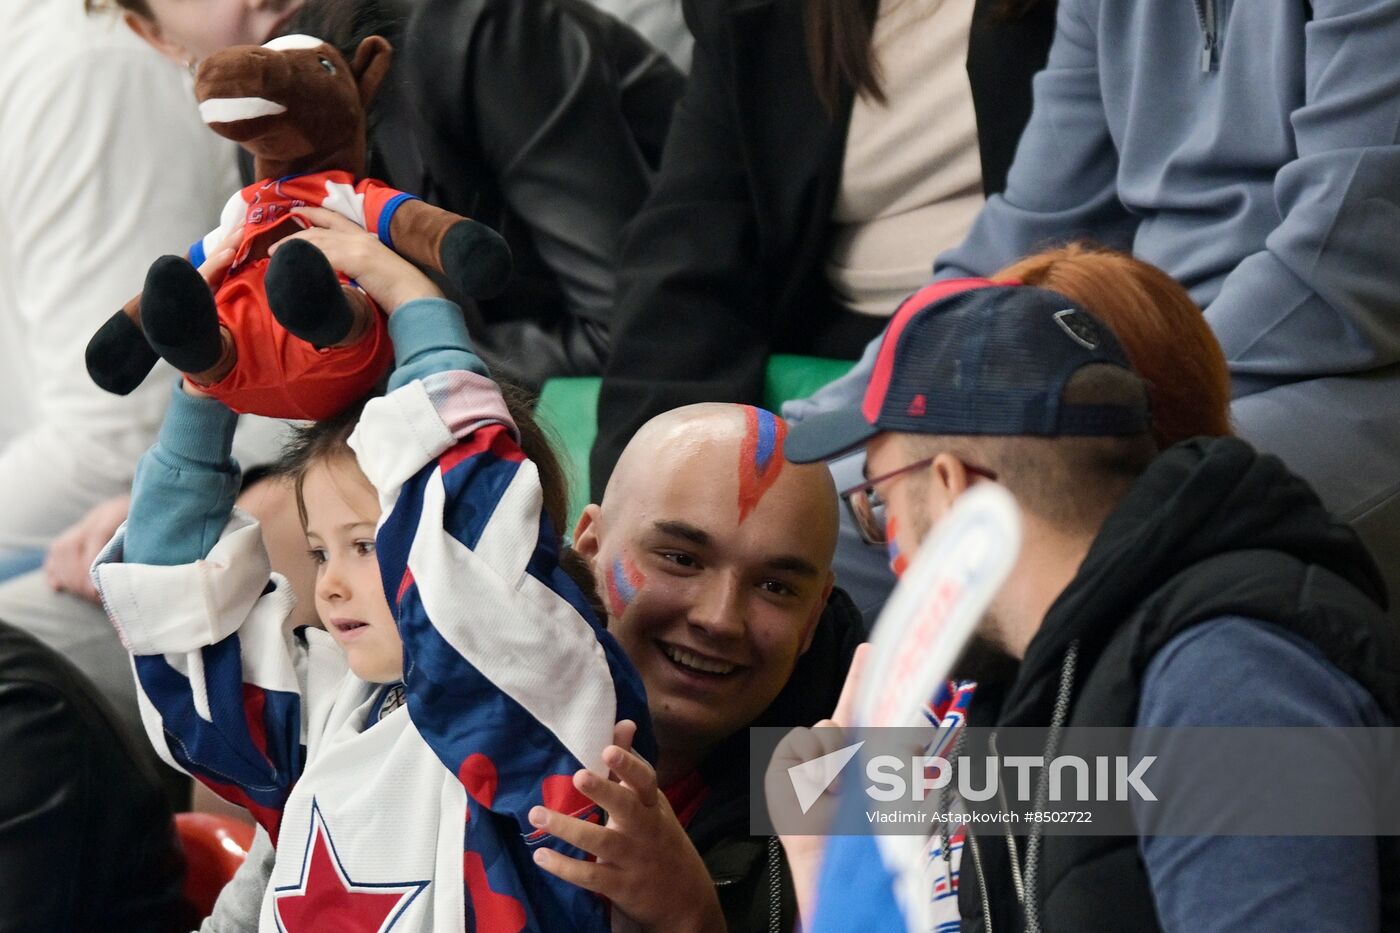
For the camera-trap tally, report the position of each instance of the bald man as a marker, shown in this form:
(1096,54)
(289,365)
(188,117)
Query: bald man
(713,558)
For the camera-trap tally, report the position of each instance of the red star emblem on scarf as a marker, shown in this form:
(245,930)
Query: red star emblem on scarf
(327,899)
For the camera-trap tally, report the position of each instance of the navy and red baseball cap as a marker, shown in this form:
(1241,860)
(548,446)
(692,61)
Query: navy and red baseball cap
(977,357)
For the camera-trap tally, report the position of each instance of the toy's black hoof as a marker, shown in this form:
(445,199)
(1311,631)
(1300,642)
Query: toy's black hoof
(305,295)
(476,259)
(118,356)
(178,314)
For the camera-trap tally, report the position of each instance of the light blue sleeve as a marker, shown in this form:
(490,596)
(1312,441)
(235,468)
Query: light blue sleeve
(855,891)
(430,336)
(208,641)
(1241,672)
(185,484)
(845,392)
(1063,182)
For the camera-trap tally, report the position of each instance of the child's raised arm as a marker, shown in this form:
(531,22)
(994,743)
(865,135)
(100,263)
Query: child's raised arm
(511,680)
(187,583)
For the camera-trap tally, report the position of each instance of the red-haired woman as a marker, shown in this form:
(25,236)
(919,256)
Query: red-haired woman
(1162,330)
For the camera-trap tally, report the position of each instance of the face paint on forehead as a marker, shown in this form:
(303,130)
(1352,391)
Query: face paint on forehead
(623,580)
(760,456)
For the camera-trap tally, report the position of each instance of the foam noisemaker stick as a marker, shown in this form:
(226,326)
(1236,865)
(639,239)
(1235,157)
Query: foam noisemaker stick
(936,607)
(920,635)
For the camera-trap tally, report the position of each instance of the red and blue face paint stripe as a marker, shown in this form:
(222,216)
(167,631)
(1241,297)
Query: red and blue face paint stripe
(623,581)
(760,456)
(899,562)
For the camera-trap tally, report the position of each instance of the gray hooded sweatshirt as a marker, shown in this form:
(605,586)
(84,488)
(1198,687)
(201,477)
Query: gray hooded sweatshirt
(1251,149)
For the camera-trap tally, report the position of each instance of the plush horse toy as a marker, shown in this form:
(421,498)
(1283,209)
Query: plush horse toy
(287,336)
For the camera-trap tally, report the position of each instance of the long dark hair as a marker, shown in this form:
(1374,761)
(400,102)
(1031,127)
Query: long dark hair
(330,438)
(839,52)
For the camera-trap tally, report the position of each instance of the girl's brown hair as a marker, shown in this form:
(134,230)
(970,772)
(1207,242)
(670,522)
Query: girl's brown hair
(839,53)
(1163,332)
(330,439)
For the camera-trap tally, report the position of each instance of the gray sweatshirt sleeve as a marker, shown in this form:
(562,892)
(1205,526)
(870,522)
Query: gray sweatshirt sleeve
(1319,298)
(1063,183)
(845,392)
(239,906)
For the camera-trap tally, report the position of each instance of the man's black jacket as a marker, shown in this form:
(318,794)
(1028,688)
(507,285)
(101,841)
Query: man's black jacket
(1211,530)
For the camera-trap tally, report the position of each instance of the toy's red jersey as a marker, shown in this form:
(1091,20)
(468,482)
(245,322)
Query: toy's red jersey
(277,374)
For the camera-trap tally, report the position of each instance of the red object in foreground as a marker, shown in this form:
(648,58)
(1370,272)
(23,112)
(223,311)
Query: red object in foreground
(214,847)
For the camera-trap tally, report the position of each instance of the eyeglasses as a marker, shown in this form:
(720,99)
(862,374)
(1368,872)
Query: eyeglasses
(867,506)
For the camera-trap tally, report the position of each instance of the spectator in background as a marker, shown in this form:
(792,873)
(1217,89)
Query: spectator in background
(714,562)
(1168,344)
(1252,151)
(104,166)
(824,152)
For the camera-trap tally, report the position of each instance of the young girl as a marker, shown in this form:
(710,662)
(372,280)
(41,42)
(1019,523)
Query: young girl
(461,677)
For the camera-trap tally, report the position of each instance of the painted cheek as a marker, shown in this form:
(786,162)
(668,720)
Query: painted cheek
(623,581)
(898,561)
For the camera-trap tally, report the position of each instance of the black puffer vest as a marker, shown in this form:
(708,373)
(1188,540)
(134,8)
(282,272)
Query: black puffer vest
(1212,529)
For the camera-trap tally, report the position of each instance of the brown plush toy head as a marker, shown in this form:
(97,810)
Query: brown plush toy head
(300,109)
(294,103)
